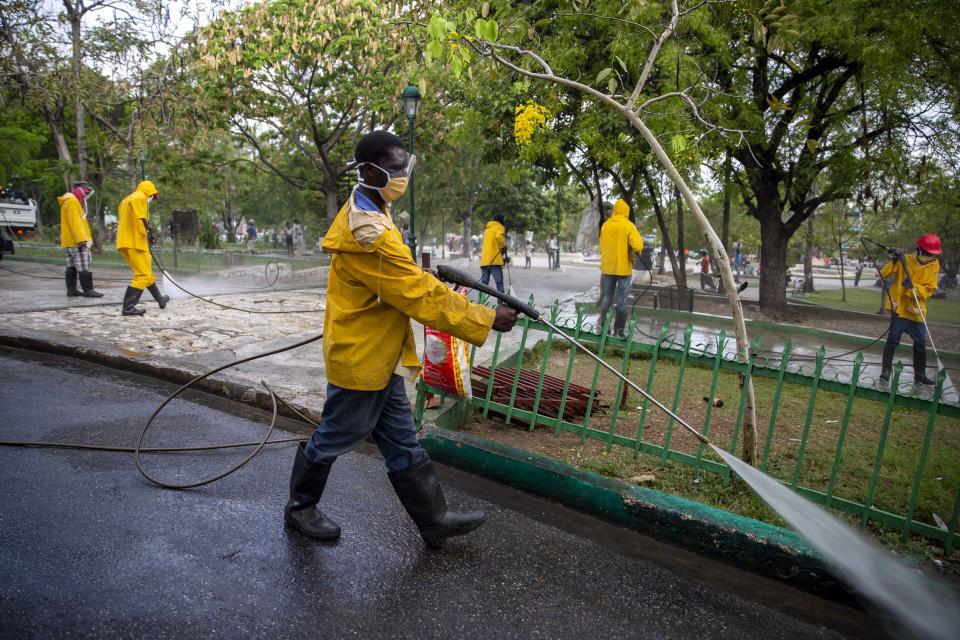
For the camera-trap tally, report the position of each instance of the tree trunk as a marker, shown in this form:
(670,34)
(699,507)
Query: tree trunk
(81,120)
(725,223)
(808,259)
(333,205)
(682,254)
(843,284)
(773,264)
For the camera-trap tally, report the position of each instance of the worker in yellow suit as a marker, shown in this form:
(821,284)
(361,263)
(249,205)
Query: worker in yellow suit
(907,300)
(75,239)
(618,238)
(133,227)
(493,252)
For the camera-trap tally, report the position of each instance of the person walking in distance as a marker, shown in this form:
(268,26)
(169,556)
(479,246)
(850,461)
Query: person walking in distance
(493,252)
(75,239)
(618,238)
(133,233)
(374,289)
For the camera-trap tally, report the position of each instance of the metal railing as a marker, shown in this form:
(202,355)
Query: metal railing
(825,478)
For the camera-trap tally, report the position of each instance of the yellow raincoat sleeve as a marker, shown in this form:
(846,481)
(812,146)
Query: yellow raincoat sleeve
(400,283)
(925,280)
(635,240)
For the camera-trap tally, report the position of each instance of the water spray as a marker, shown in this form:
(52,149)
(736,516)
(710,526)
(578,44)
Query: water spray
(922,609)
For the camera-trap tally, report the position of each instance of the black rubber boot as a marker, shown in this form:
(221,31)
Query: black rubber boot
(920,369)
(619,322)
(86,281)
(887,365)
(161,299)
(130,300)
(307,482)
(418,488)
(71,277)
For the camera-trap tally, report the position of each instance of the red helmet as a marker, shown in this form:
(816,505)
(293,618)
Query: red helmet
(930,242)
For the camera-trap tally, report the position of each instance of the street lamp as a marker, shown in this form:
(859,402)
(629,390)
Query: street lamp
(411,100)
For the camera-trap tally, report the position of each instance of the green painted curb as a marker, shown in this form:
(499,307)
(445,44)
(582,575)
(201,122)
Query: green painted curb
(747,543)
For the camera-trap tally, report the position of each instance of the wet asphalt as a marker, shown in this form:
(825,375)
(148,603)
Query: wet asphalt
(89,549)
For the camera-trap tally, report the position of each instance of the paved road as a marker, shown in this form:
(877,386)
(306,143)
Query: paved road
(90,549)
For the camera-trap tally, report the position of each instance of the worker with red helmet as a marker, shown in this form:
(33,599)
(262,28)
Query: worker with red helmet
(907,300)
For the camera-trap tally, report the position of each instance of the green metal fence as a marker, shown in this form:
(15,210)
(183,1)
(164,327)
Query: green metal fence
(847,460)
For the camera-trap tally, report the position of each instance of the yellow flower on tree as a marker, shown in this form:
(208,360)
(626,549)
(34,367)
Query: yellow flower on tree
(529,117)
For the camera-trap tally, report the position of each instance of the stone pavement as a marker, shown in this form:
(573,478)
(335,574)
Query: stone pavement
(191,336)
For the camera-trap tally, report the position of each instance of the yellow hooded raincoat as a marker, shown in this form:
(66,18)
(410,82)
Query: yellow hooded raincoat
(74,228)
(373,290)
(924,277)
(132,234)
(618,236)
(494,240)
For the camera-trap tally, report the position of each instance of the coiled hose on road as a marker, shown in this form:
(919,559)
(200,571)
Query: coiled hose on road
(139,449)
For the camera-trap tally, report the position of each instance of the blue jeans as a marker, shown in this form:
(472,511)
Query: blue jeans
(497,272)
(350,416)
(899,326)
(613,287)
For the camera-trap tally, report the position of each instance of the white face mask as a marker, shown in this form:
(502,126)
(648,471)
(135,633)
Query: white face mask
(396,181)
(152,198)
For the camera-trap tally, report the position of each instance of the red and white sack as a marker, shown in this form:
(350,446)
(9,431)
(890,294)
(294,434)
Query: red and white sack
(446,363)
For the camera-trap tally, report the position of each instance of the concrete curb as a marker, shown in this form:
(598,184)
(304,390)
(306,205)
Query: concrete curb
(765,549)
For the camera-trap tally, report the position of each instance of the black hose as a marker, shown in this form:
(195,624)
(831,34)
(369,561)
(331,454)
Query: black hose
(218,304)
(139,448)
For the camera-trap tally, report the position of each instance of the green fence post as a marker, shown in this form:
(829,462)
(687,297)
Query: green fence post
(784,358)
(566,381)
(687,333)
(809,419)
(744,393)
(875,474)
(952,527)
(838,453)
(623,371)
(554,311)
(516,372)
(493,371)
(596,375)
(925,448)
(650,374)
(721,345)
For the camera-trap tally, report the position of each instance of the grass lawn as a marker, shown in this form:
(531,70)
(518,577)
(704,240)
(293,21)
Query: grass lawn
(868,299)
(938,487)
(187,260)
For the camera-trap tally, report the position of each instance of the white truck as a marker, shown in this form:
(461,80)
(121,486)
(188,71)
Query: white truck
(18,212)
(18,217)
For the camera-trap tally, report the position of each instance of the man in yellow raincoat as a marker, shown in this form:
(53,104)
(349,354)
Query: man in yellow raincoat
(493,252)
(618,238)
(133,225)
(374,288)
(907,301)
(75,239)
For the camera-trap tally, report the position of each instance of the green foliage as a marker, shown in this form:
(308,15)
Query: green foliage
(209,238)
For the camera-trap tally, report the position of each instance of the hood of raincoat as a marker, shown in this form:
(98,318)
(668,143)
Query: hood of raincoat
(373,290)
(618,237)
(148,189)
